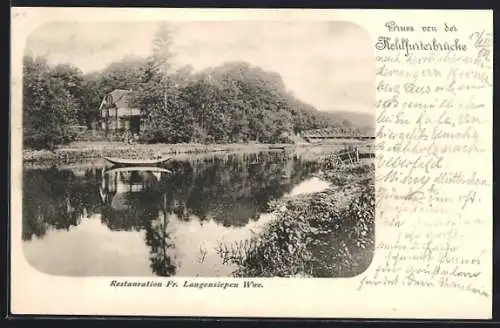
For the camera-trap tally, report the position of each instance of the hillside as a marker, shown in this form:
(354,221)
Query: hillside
(356,118)
(232,102)
(362,121)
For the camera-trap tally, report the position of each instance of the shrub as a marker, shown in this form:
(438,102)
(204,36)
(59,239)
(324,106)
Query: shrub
(42,140)
(280,252)
(311,236)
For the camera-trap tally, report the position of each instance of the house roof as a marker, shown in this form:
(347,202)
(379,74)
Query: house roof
(119,99)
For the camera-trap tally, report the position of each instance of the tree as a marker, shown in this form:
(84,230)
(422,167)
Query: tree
(160,94)
(90,100)
(48,105)
(162,54)
(123,74)
(71,77)
(234,102)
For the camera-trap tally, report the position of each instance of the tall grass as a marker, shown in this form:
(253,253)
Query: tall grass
(328,234)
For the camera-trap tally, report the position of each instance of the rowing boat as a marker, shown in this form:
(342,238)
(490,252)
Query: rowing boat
(134,162)
(138,168)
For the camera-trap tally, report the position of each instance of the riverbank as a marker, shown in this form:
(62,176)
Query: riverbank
(78,151)
(324,234)
(87,150)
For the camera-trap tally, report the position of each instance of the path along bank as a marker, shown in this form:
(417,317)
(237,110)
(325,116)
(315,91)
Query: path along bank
(87,150)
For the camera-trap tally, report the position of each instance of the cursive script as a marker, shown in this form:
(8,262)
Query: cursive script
(433,162)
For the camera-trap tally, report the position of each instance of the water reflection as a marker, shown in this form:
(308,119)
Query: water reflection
(178,214)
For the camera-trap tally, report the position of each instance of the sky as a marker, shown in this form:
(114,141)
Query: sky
(330,65)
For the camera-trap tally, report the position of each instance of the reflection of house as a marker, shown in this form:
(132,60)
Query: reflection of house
(117,186)
(116,113)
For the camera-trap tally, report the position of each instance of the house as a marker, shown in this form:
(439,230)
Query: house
(117,115)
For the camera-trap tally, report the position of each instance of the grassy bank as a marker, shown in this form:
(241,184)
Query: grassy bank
(327,234)
(83,150)
(78,151)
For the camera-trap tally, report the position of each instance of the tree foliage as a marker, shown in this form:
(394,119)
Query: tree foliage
(49,102)
(90,100)
(233,102)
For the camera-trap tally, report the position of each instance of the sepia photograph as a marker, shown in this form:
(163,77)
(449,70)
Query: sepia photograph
(199,149)
(164,158)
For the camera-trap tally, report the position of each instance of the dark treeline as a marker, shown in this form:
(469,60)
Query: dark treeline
(234,102)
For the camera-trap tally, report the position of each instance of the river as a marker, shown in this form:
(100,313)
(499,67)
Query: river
(88,219)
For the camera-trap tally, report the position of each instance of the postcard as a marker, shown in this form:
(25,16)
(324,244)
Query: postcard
(252,163)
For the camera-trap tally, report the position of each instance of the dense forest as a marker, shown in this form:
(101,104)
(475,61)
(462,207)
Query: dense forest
(233,102)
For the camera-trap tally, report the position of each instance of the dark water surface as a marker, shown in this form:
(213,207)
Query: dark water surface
(89,220)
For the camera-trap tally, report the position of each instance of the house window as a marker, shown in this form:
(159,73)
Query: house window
(124,124)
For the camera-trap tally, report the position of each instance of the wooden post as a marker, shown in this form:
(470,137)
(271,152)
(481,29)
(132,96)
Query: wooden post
(350,158)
